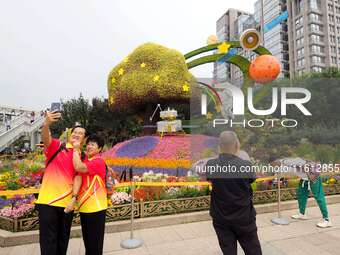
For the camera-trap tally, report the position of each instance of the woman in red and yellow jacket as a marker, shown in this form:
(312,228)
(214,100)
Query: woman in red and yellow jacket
(92,198)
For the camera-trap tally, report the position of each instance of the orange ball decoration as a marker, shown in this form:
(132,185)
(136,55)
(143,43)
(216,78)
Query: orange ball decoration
(264,69)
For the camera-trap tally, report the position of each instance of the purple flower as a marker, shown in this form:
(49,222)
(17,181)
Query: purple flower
(138,147)
(3,202)
(141,170)
(19,200)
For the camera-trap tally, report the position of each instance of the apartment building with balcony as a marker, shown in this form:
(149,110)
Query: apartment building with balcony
(314,32)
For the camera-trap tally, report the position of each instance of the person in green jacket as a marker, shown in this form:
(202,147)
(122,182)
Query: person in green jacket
(310,180)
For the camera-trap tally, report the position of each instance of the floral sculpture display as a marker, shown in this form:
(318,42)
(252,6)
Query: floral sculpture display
(152,73)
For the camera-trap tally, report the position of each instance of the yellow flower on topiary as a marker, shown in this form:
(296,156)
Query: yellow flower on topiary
(156,78)
(186,87)
(120,71)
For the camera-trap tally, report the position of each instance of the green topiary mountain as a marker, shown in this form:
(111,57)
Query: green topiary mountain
(151,74)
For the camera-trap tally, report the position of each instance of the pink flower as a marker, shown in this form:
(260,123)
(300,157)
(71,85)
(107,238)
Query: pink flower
(120,198)
(17,211)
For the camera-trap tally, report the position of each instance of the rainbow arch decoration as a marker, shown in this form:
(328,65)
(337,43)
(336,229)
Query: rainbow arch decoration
(238,60)
(212,94)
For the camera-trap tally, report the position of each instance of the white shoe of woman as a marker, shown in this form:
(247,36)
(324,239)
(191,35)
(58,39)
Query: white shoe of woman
(300,216)
(325,224)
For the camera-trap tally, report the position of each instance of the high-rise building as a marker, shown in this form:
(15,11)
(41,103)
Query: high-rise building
(274,39)
(242,23)
(227,29)
(314,32)
(308,41)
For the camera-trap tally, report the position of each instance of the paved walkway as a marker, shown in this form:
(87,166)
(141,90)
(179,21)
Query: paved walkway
(300,237)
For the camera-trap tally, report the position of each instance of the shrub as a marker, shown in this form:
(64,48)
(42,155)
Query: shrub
(305,150)
(293,183)
(324,154)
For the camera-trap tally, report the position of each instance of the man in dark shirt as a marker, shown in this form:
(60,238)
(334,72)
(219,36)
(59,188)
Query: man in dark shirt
(232,210)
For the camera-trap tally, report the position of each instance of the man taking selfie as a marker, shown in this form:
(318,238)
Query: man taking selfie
(56,188)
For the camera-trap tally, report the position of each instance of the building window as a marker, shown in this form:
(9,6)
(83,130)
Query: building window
(318,60)
(299,32)
(332,38)
(300,52)
(299,42)
(330,7)
(299,6)
(299,21)
(301,62)
(315,4)
(333,60)
(333,49)
(316,49)
(317,69)
(331,18)
(316,38)
(315,28)
(314,17)
(337,9)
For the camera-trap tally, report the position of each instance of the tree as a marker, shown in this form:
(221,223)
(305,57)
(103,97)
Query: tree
(324,104)
(114,127)
(73,111)
(97,118)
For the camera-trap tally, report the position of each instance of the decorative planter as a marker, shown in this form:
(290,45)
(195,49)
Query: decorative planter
(159,207)
(114,213)
(173,206)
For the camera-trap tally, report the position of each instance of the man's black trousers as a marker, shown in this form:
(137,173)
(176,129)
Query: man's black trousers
(54,229)
(228,235)
(93,228)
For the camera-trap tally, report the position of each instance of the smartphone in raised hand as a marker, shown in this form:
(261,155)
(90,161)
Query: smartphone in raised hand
(56,107)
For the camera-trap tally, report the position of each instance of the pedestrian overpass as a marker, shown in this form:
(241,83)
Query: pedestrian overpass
(21,126)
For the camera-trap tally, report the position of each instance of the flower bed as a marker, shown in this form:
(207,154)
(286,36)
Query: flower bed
(24,173)
(171,164)
(167,154)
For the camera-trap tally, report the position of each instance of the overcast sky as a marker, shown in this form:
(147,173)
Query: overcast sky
(58,49)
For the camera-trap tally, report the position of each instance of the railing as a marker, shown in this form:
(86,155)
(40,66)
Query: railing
(14,122)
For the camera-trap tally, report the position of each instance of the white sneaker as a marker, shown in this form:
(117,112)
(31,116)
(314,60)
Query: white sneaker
(324,224)
(300,216)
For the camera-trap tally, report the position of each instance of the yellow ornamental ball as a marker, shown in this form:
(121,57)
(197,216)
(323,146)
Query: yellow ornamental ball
(212,39)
